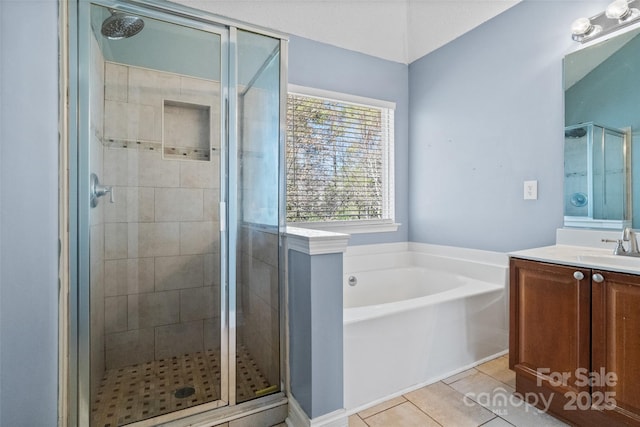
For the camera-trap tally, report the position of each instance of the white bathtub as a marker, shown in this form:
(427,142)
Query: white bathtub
(418,314)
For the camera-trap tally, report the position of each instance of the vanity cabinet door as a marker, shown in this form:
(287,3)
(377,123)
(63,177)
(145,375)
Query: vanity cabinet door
(549,334)
(616,345)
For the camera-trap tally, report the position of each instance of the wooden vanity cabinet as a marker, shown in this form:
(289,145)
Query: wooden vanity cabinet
(564,327)
(616,343)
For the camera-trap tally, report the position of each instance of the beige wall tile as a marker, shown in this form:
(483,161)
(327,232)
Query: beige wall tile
(199,90)
(116,211)
(140,204)
(212,268)
(211,205)
(153,309)
(116,171)
(115,314)
(258,278)
(155,239)
(150,87)
(115,241)
(129,276)
(212,333)
(199,237)
(200,174)
(132,122)
(179,272)
(178,204)
(129,348)
(178,339)
(132,204)
(153,171)
(116,82)
(198,304)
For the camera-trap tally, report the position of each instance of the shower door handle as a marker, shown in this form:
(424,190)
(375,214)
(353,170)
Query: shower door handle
(97,191)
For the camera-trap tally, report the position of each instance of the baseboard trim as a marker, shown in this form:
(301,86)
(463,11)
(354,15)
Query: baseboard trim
(298,418)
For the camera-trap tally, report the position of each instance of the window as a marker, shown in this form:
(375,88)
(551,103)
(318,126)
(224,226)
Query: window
(339,160)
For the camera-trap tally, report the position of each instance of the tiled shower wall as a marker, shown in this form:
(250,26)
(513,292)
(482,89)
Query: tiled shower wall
(258,320)
(161,236)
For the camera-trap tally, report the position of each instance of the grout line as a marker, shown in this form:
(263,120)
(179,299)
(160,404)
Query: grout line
(383,410)
(488,421)
(418,408)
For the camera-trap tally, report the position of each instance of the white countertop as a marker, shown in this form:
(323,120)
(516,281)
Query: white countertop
(582,256)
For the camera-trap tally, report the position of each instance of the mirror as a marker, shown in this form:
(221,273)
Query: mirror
(596,177)
(602,121)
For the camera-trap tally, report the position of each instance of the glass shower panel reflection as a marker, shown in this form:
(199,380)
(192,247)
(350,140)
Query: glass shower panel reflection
(596,173)
(155,306)
(613,177)
(257,252)
(576,169)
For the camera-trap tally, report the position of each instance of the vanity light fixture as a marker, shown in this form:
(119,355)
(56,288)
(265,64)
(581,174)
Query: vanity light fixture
(618,14)
(582,28)
(621,11)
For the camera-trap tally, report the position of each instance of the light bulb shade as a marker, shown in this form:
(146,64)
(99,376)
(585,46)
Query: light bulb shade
(619,10)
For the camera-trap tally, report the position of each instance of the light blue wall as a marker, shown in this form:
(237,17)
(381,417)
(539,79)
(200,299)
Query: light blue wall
(28,212)
(322,66)
(315,332)
(486,114)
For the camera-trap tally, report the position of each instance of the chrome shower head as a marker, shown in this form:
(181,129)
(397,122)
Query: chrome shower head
(575,133)
(121,26)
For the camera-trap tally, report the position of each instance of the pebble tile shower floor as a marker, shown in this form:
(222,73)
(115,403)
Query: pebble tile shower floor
(138,392)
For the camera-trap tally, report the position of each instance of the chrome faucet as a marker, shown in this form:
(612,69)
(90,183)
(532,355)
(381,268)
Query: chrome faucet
(628,235)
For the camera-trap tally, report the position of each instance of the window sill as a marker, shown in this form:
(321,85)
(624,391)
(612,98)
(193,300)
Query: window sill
(350,227)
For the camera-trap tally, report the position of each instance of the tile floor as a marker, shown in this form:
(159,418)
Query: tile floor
(481,396)
(146,390)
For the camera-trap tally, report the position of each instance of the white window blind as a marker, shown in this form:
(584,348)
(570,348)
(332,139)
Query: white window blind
(339,160)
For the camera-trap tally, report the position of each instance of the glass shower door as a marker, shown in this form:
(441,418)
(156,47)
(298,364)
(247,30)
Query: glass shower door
(157,341)
(254,220)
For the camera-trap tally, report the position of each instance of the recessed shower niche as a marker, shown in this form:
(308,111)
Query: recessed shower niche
(186,130)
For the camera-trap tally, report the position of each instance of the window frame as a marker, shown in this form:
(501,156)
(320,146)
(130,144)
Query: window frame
(387,223)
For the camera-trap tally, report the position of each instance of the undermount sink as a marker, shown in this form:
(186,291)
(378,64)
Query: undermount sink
(617,260)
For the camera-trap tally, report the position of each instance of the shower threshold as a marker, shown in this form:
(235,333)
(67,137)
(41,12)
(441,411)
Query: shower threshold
(138,392)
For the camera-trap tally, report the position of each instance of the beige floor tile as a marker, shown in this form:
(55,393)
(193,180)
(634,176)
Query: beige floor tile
(403,415)
(448,407)
(498,397)
(381,407)
(356,421)
(459,376)
(498,422)
(499,369)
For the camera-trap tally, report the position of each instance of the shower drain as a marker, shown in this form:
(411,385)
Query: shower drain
(183,392)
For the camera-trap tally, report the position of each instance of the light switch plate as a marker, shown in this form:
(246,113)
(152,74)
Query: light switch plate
(531,190)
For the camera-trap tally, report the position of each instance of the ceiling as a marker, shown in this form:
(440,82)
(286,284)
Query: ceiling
(396,30)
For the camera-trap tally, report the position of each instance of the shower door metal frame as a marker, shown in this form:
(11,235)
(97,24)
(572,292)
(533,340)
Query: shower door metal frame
(79,212)
(77,365)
